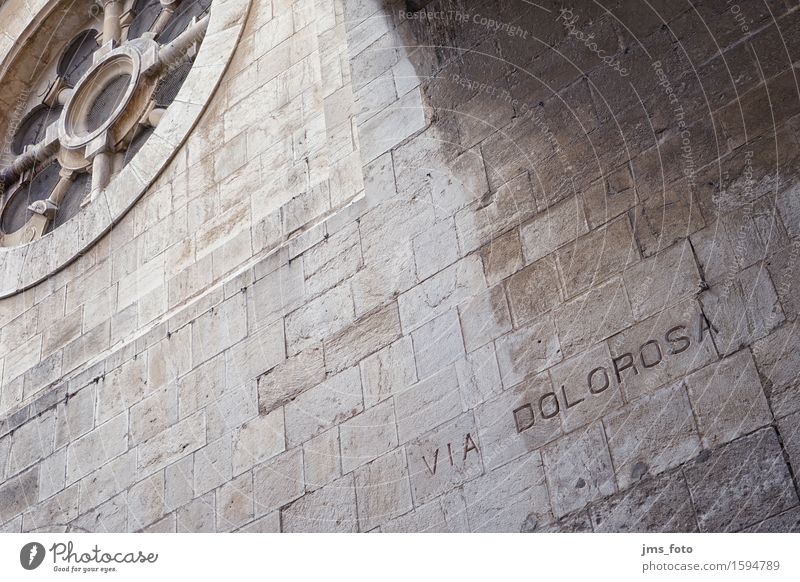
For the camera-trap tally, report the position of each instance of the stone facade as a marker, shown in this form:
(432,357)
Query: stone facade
(463,269)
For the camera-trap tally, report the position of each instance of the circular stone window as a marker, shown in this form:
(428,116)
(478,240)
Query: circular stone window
(97,96)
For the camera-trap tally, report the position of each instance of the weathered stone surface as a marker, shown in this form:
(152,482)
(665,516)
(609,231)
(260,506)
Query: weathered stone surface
(427,404)
(660,504)
(502,257)
(235,503)
(212,465)
(778,364)
(579,469)
(324,406)
(179,440)
(478,376)
(219,328)
(728,399)
(388,371)
(107,481)
(322,459)
(197,516)
(53,514)
(257,440)
(552,228)
(30,443)
(367,335)
(146,501)
(285,381)
(154,414)
(444,458)
(752,473)
(786,522)
(278,481)
(528,350)
(368,435)
(97,447)
(652,434)
(382,490)
(18,493)
(329,509)
(484,318)
(437,344)
(447,514)
(319,319)
(534,290)
(508,497)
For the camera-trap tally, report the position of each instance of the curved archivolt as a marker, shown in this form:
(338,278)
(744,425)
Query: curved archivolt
(47,175)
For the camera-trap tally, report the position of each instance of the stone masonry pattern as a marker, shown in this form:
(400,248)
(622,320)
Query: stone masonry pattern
(483,266)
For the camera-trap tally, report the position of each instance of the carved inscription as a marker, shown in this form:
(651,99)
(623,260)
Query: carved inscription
(469,446)
(675,341)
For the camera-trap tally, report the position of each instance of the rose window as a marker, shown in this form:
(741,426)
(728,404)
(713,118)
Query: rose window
(87,102)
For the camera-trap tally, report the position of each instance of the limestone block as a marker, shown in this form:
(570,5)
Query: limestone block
(52,473)
(233,409)
(427,404)
(435,248)
(31,443)
(786,522)
(179,483)
(367,335)
(382,490)
(506,498)
(455,285)
(778,362)
(528,350)
(783,270)
(270,523)
(743,309)
(110,517)
(392,125)
(324,406)
(447,514)
(97,447)
(203,385)
(18,493)
(661,280)
(257,440)
(319,319)
(146,502)
(593,316)
(333,260)
(389,274)
(234,503)
(212,465)
(108,481)
(579,469)
(322,459)
(168,446)
(660,349)
(534,290)
(754,476)
(559,224)
(198,515)
(329,509)
(154,414)
(285,381)
(168,524)
(28,355)
(660,504)
(368,435)
(728,399)
(388,371)
(485,318)
(478,376)
(219,328)
(444,458)
(502,256)
(438,343)
(278,481)
(62,331)
(53,513)
(607,198)
(519,420)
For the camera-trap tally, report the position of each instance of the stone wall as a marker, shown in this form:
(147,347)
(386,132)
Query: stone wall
(446,270)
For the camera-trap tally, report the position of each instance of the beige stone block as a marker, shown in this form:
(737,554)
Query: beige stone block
(233,409)
(258,440)
(260,351)
(212,465)
(234,503)
(333,260)
(146,502)
(329,509)
(322,459)
(285,381)
(559,224)
(435,248)
(455,285)
(427,404)
(367,335)
(176,442)
(437,344)
(219,328)
(382,490)
(202,386)
(278,481)
(388,371)
(270,523)
(108,481)
(593,316)
(579,469)
(478,376)
(319,319)
(51,514)
(368,435)
(652,434)
(179,483)
(121,388)
(506,498)
(444,459)
(52,472)
(97,447)
(323,406)
(392,125)
(154,414)
(447,514)
(534,290)
(484,318)
(18,493)
(728,399)
(502,257)
(198,515)
(31,443)
(527,351)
